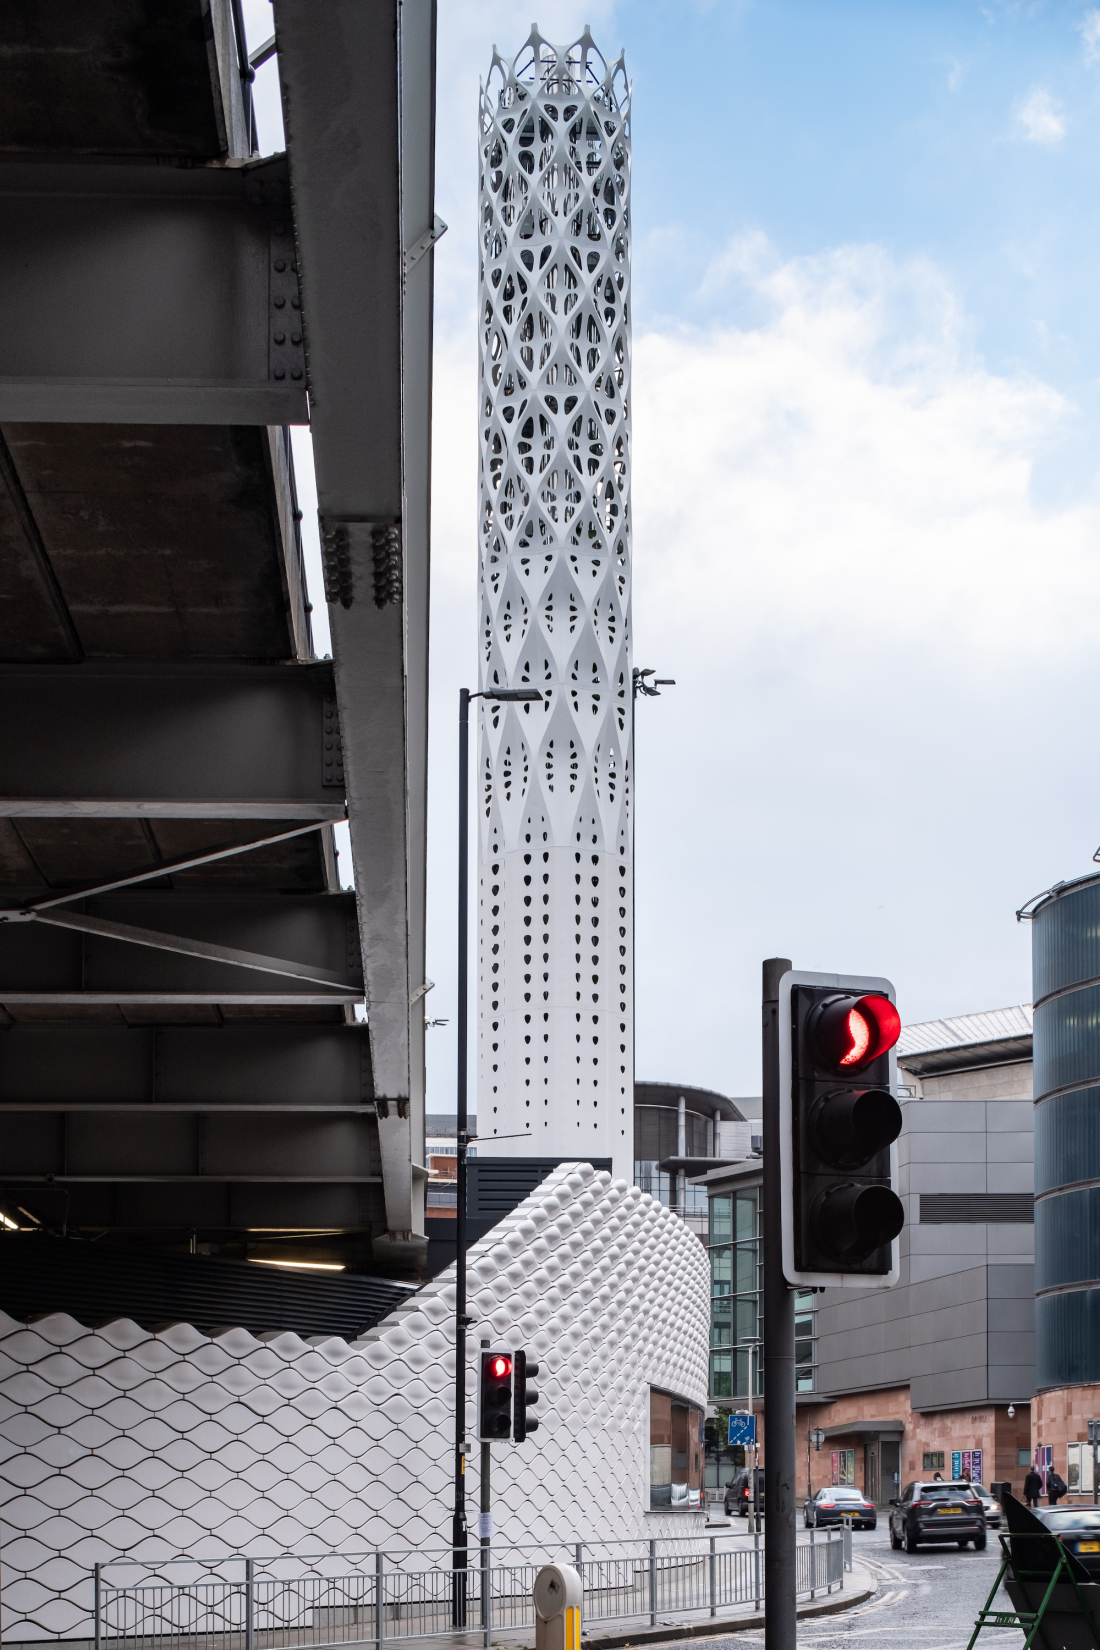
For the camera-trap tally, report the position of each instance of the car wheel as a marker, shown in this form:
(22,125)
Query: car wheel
(979,1543)
(895,1540)
(962,1545)
(910,1543)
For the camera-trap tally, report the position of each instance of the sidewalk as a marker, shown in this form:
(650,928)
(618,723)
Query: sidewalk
(858,1587)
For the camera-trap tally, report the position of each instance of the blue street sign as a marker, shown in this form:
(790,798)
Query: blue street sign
(742,1429)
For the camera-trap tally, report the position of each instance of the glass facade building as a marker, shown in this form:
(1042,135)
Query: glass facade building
(678,1133)
(735,1243)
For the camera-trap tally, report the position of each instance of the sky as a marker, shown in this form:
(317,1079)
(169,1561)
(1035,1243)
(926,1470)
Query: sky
(866,370)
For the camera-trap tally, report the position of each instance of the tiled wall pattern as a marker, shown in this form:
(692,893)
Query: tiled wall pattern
(118,1442)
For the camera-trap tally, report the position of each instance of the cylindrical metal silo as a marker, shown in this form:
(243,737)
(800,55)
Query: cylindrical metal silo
(1066,989)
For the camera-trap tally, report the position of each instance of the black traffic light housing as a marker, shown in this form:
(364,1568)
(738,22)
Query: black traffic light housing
(840,1121)
(525,1396)
(494,1394)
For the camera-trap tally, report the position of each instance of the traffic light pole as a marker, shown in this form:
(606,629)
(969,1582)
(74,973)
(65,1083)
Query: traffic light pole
(458,1526)
(780,1619)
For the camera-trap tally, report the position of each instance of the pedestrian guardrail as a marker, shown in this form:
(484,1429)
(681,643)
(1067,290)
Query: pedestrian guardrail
(376,1598)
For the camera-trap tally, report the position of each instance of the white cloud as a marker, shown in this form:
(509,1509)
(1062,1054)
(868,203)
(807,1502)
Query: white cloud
(846,448)
(839,556)
(1090,36)
(1039,116)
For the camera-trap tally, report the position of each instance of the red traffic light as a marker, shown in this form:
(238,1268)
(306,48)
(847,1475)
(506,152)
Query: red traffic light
(850,1032)
(500,1367)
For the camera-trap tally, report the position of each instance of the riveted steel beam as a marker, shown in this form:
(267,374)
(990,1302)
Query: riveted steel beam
(362,187)
(149,295)
(178,741)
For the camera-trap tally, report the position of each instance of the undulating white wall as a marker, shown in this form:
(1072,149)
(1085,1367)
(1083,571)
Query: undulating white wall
(120,1442)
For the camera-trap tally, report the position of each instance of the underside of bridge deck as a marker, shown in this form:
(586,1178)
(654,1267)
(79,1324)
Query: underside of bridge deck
(204,1042)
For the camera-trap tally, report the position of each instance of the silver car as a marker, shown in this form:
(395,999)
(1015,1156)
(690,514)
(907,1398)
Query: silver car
(990,1506)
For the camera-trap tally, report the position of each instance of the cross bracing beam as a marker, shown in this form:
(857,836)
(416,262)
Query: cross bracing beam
(167,867)
(179,741)
(149,295)
(67,957)
(267,1067)
(180,944)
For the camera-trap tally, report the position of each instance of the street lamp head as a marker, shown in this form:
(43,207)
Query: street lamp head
(508,693)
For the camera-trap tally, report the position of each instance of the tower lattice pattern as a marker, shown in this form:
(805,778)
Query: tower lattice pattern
(554,779)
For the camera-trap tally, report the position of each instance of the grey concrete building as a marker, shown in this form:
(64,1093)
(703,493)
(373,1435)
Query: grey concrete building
(959,1326)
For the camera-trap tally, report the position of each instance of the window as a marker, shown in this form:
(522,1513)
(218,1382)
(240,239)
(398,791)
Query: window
(1023,1458)
(675,1453)
(844,1466)
(804,1341)
(933,1460)
(736,1316)
(721,1217)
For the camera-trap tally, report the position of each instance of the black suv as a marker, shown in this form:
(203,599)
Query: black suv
(937,1511)
(739,1492)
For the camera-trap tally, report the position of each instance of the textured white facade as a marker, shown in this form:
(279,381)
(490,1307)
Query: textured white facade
(554,780)
(118,1442)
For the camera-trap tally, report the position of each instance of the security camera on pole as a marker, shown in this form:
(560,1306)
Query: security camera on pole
(831,1210)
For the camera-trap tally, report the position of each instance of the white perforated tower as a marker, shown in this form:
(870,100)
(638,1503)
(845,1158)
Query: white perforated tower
(554,780)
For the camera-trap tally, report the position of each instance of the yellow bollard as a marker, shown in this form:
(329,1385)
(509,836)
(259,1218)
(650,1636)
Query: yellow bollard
(557,1595)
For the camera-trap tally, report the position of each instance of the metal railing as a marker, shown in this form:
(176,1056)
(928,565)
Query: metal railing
(283,1603)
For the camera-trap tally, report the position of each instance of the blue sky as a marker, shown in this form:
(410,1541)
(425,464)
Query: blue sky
(866,511)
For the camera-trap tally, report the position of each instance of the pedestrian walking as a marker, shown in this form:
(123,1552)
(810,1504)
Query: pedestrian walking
(1056,1487)
(1033,1488)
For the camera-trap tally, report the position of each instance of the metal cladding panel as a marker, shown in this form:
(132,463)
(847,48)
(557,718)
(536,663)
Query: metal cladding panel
(1067,1339)
(1067,1238)
(1065,939)
(1067,1139)
(96,1283)
(1067,1041)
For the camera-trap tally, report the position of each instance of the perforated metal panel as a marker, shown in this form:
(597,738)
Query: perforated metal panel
(555,923)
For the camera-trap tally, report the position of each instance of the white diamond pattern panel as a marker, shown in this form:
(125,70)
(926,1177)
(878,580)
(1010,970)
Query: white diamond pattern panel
(118,1442)
(555,918)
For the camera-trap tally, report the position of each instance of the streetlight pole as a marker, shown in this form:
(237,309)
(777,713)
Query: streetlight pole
(459,1529)
(639,683)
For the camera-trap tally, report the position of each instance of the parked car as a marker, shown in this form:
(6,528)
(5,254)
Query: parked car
(937,1512)
(739,1491)
(1078,1528)
(832,1506)
(990,1506)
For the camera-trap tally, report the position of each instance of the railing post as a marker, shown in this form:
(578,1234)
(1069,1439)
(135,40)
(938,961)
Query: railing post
(652,1582)
(813,1563)
(379,1602)
(578,1558)
(486,1592)
(249,1635)
(756,1568)
(98,1609)
(713,1580)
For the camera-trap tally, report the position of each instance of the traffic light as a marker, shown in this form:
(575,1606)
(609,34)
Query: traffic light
(839,1121)
(494,1394)
(525,1397)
